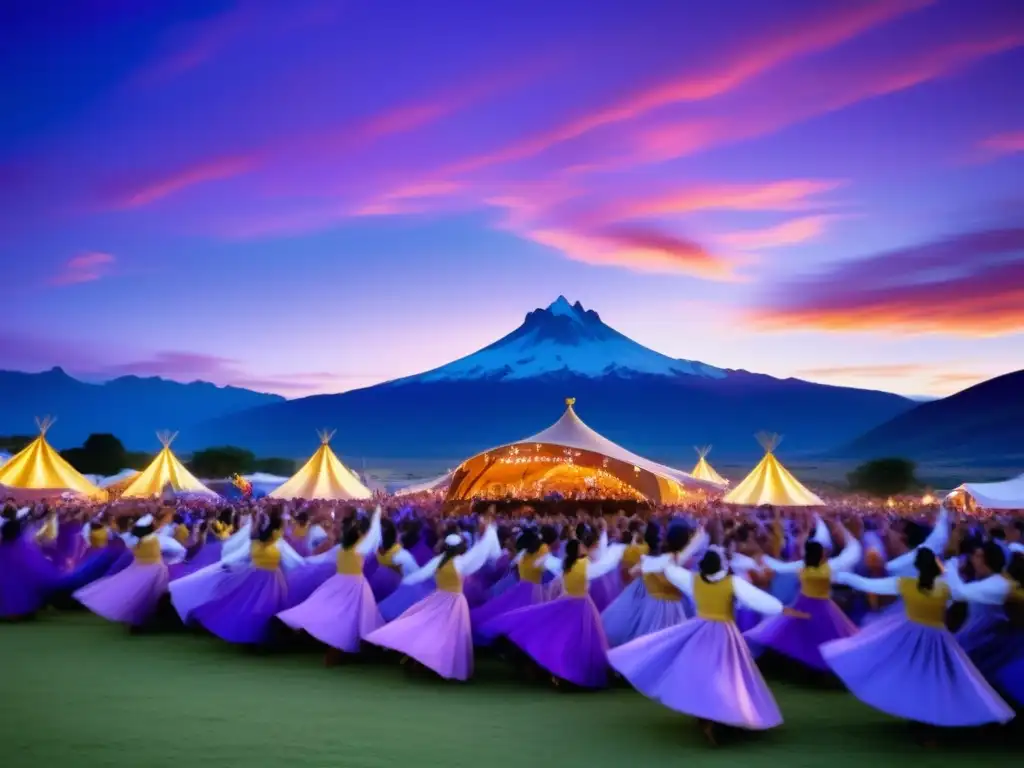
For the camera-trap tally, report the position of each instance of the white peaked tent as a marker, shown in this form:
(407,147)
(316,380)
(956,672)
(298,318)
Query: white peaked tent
(323,477)
(121,477)
(165,470)
(1008,494)
(771,483)
(569,452)
(703,469)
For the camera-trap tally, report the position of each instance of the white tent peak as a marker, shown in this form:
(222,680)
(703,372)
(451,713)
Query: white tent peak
(166,437)
(768,440)
(326,435)
(702,451)
(44,423)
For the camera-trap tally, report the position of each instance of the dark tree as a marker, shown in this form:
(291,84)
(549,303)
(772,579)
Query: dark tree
(222,461)
(14,443)
(883,477)
(100,454)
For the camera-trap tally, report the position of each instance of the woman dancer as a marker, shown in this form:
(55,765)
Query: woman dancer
(103,549)
(703,667)
(394,562)
(564,636)
(132,595)
(799,639)
(253,590)
(911,666)
(652,602)
(27,577)
(436,631)
(342,611)
(531,554)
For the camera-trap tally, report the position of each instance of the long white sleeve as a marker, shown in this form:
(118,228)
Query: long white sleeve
(697,542)
(486,549)
(326,556)
(238,556)
(990,591)
(756,599)
(939,536)
(289,557)
(741,564)
(886,586)
(371,540)
(848,559)
(316,536)
(821,534)
(553,565)
(681,579)
(238,541)
(608,562)
(655,563)
(171,550)
(781,566)
(406,561)
(1016,547)
(86,529)
(424,573)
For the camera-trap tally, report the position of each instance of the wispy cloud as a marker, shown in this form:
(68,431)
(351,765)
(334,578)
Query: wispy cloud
(1002,144)
(145,191)
(791,232)
(194,44)
(908,377)
(84,268)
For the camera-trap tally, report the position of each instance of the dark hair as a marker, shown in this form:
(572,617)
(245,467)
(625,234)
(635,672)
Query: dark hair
(1015,570)
(179,518)
(572,554)
(142,531)
(928,569)
(528,542)
(652,537)
(915,534)
(548,534)
(388,534)
(452,551)
(710,564)
(274,522)
(226,516)
(350,535)
(814,553)
(626,537)
(994,556)
(10,530)
(677,538)
(9,513)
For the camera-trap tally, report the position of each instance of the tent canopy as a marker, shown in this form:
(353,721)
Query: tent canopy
(425,486)
(569,455)
(323,477)
(165,470)
(39,467)
(1008,494)
(703,470)
(771,483)
(124,477)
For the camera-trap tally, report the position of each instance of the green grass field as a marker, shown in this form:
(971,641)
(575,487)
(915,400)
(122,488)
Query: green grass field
(76,691)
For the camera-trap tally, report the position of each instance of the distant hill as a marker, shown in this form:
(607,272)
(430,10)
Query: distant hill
(979,424)
(130,407)
(654,404)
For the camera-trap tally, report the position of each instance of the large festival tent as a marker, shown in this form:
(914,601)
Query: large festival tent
(40,468)
(165,470)
(771,483)
(1008,494)
(703,470)
(323,477)
(567,456)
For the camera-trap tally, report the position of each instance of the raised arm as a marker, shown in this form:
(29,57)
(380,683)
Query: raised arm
(371,540)
(681,578)
(821,534)
(424,573)
(781,566)
(289,557)
(989,591)
(405,561)
(317,536)
(171,550)
(607,563)
(756,599)
(238,556)
(486,549)
(847,559)
(326,556)
(887,586)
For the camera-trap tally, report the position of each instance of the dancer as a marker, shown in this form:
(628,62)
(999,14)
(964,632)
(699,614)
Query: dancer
(342,611)
(799,639)
(27,576)
(911,666)
(436,631)
(394,562)
(531,553)
(703,666)
(564,636)
(103,550)
(132,595)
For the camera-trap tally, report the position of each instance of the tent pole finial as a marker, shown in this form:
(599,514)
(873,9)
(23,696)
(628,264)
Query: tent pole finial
(570,401)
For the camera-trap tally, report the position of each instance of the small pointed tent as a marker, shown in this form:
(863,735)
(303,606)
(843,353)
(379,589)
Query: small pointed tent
(39,467)
(771,483)
(323,477)
(703,470)
(165,470)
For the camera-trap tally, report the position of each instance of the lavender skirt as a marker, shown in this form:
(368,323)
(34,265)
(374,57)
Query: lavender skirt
(635,613)
(27,578)
(436,632)
(383,582)
(798,638)
(126,558)
(243,612)
(701,668)
(404,598)
(987,637)
(563,636)
(95,564)
(208,554)
(130,596)
(1010,678)
(504,584)
(523,594)
(304,580)
(190,592)
(341,613)
(915,672)
(604,590)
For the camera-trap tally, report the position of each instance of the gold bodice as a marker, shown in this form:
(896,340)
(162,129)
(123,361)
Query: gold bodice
(265,554)
(531,567)
(350,562)
(147,551)
(816,581)
(714,599)
(448,579)
(387,559)
(575,579)
(631,557)
(99,537)
(181,534)
(927,608)
(660,588)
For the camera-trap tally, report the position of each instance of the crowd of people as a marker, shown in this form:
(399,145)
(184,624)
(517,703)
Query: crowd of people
(919,613)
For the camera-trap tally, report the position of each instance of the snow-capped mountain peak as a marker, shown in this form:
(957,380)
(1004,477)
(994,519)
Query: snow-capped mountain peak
(565,339)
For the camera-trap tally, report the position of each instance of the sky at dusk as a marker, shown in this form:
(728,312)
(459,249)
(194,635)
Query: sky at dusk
(306,196)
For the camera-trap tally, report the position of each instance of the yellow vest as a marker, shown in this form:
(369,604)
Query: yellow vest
(221,530)
(816,582)
(99,537)
(714,599)
(447,578)
(181,534)
(575,579)
(350,562)
(660,588)
(927,608)
(387,559)
(147,551)
(531,567)
(631,557)
(300,531)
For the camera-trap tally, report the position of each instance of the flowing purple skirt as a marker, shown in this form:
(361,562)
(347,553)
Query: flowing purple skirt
(475,591)
(422,552)
(27,578)
(436,632)
(987,637)
(521,595)
(799,638)
(208,554)
(505,583)
(384,581)
(564,636)
(341,613)
(125,559)
(94,565)
(701,668)
(747,619)
(70,546)
(243,613)
(915,672)
(636,613)
(1011,677)
(190,592)
(130,596)
(404,598)
(604,590)
(306,579)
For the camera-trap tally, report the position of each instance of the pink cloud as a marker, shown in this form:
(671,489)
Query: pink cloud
(144,192)
(194,44)
(791,232)
(1003,144)
(84,268)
